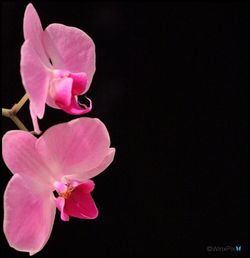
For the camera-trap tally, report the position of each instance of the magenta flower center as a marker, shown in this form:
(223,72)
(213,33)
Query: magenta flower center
(79,80)
(65,85)
(64,190)
(67,194)
(74,199)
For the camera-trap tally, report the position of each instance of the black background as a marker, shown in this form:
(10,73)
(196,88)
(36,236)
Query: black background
(171,87)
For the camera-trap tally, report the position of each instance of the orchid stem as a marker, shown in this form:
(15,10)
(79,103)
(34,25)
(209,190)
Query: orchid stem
(19,123)
(19,105)
(11,113)
(5,112)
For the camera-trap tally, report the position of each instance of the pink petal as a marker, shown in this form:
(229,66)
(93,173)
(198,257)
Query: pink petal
(33,32)
(29,212)
(97,170)
(20,155)
(70,49)
(34,119)
(80,203)
(75,147)
(35,77)
(79,83)
(60,203)
(60,91)
(77,109)
(88,186)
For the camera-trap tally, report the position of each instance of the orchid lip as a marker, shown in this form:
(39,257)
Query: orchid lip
(64,88)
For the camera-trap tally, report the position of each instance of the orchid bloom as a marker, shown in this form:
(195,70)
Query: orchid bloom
(57,65)
(61,161)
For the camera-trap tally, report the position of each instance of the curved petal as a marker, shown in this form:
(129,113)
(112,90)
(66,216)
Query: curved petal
(75,147)
(35,78)
(79,83)
(77,109)
(71,49)
(80,204)
(34,119)
(20,155)
(94,171)
(60,203)
(88,186)
(29,212)
(33,31)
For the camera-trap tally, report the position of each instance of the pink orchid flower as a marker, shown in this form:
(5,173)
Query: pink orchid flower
(61,161)
(57,65)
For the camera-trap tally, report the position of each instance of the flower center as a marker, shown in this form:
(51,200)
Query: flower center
(68,192)
(64,190)
(79,80)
